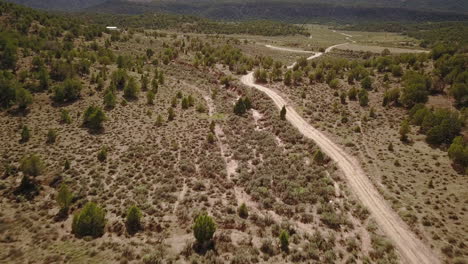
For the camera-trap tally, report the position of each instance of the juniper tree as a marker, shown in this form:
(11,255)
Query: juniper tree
(283,113)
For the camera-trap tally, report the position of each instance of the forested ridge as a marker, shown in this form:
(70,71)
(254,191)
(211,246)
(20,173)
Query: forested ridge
(290,11)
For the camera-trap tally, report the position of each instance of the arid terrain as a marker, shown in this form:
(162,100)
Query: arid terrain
(149,146)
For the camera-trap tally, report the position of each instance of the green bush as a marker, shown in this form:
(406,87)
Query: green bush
(94,117)
(133,221)
(109,99)
(242,211)
(458,151)
(132,90)
(64,198)
(404,130)
(150,97)
(334,83)
(25,134)
(366,83)
(65,116)
(32,165)
(102,154)
(23,98)
(239,107)
(284,240)
(90,221)
(415,89)
(204,228)
(68,91)
(363,97)
(51,136)
(119,79)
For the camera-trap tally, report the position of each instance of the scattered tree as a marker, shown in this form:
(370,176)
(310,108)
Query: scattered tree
(89,221)
(404,130)
(204,229)
(94,117)
(242,211)
(284,240)
(32,165)
(133,221)
(283,113)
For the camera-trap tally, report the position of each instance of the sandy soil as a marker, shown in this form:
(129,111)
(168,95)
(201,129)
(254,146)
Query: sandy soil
(411,249)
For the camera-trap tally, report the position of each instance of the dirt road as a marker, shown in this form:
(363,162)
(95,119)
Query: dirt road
(410,248)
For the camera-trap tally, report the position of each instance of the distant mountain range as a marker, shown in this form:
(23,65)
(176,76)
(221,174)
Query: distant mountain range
(286,10)
(63,5)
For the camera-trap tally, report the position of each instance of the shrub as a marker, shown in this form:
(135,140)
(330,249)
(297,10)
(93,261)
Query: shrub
(366,83)
(90,221)
(65,116)
(260,75)
(240,107)
(68,91)
(185,103)
(287,78)
(319,157)
(133,221)
(204,228)
(458,151)
(415,89)
(51,136)
(132,90)
(210,138)
(171,114)
(109,99)
(119,79)
(334,83)
(25,134)
(284,240)
(242,211)
(363,98)
(150,97)
(352,93)
(32,165)
(94,117)
(102,154)
(404,130)
(267,247)
(64,198)
(23,98)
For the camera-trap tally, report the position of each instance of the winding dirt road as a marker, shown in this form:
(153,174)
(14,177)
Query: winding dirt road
(411,249)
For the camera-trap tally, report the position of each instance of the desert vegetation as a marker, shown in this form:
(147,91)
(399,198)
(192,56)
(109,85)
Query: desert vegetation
(142,145)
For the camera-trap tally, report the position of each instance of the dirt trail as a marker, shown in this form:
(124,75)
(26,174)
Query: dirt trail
(410,248)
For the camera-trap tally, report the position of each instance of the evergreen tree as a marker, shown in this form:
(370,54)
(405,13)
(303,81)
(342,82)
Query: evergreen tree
(133,220)
(283,113)
(23,98)
(284,240)
(25,134)
(90,221)
(94,117)
(64,198)
(150,97)
(132,90)
(239,107)
(404,130)
(204,228)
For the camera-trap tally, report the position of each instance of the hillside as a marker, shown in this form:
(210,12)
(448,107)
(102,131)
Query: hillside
(299,11)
